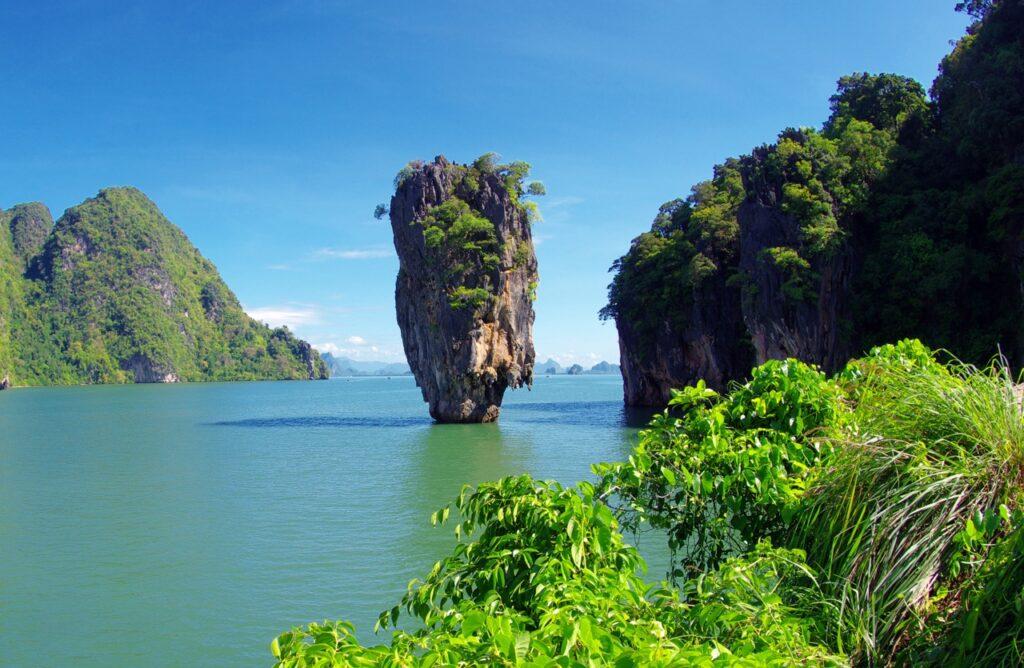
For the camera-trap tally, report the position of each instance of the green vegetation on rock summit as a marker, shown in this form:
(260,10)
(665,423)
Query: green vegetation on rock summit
(900,217)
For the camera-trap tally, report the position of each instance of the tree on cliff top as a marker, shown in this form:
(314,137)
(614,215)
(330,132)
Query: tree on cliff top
(927,193)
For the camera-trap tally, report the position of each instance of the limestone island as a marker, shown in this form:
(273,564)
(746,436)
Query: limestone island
(466,282)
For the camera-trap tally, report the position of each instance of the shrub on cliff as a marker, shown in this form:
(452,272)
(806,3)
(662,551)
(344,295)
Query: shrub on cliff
(892,492)
(462,240)
(906,209)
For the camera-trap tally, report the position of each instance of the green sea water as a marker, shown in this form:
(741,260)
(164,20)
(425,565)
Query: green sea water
(187,525)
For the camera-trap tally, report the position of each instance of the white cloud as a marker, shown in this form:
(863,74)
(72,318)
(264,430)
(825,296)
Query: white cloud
(352,253)
(362,353)
(357,341)
(278,267)
(285,316)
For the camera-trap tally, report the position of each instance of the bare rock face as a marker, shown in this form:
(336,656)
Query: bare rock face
(464,293)
(711,346)
(145,370)
(763,294)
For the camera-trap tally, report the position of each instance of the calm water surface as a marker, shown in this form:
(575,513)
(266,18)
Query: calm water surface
(189,524)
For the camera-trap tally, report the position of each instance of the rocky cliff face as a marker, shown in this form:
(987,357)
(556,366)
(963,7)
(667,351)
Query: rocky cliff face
(789,311)
(710,345)
(901,217)
(465,285)
(730,278)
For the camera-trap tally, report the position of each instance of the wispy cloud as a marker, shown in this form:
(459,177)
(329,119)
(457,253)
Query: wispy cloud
(357,341)
(352,253)
(285,316)
(558,210)
(278,267)
(560,202)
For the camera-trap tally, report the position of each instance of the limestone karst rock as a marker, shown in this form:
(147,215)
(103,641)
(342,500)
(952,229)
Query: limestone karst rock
(749,306)
(116,293)
(901,217)
(465,287)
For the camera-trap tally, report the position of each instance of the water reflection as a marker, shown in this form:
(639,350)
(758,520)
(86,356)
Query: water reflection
(444,457)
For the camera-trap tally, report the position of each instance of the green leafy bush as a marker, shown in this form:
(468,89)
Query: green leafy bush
(892,490)
(547,579)
(720,473)
(463,297)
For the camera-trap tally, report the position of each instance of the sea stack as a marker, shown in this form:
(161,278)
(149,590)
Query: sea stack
(466,282)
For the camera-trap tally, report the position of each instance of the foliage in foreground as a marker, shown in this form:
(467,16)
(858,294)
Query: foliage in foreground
(890,492)
(550,581)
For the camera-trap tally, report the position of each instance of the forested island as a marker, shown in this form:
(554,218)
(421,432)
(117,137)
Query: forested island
(900,217)
(821,510)
(115,293)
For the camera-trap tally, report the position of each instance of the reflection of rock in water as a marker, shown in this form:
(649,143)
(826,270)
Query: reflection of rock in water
(438,461)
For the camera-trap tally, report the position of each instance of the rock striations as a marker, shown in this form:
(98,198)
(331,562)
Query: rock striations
(788,311)
(759,291)
(466,283)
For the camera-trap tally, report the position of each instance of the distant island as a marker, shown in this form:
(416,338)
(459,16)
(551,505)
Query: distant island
(115,293)
(343,367)
(466,282)
(553,368)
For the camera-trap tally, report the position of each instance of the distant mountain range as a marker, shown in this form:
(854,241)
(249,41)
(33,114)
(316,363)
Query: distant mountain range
(345,367)
(551,368)
(342,367)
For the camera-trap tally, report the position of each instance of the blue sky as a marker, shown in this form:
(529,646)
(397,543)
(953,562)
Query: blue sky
(268,131)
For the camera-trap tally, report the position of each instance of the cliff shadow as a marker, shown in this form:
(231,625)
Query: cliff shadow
(613,414)
(324,421)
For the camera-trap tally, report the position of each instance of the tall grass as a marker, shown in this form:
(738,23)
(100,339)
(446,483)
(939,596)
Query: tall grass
(930,445)
(991,629)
